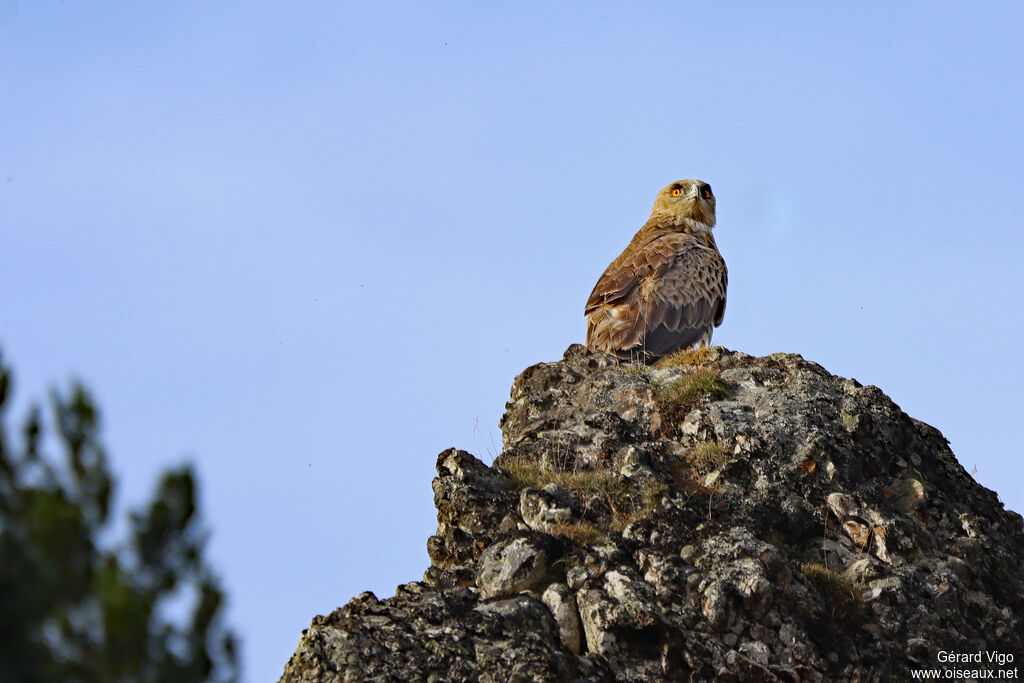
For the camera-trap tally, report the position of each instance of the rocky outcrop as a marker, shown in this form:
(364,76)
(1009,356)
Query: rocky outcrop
(719,517)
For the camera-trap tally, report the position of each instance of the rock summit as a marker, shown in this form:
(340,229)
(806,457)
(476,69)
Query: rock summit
(714,517)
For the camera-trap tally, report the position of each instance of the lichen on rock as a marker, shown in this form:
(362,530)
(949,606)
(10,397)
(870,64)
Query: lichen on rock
(717,517)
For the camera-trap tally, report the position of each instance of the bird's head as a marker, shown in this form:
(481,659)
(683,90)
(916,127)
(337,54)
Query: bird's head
(686,199)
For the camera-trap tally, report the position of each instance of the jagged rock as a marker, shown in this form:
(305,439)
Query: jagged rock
(719,517)
(508,567)
(543,510)
(562,603)
(598,614)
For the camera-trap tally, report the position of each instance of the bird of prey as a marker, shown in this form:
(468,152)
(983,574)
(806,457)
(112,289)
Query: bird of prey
(666,290)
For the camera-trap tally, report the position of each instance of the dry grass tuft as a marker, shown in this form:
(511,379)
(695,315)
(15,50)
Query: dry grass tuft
(841,591)
(679,398)
(686,357)
(640,505)
(637,369)
(707,456)
(601,490)
(581,533)
(527,472)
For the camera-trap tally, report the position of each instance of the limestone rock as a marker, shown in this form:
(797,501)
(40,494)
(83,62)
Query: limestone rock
(508,567)
(789,525)
(542,510)
(562,603)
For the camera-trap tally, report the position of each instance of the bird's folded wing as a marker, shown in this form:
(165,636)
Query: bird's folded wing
(689,299)
(620,279)
(677,286)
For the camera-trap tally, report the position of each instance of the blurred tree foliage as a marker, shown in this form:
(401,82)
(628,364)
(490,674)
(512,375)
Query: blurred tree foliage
(78,606)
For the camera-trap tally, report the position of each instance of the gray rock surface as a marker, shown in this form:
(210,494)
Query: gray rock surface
(721,517)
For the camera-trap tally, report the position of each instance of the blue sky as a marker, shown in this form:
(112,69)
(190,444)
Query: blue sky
(309,247)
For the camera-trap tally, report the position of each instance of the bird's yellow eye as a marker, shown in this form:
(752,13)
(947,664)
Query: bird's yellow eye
(676,192)
(706,193)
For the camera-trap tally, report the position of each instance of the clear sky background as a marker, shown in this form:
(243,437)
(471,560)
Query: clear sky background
(310,245)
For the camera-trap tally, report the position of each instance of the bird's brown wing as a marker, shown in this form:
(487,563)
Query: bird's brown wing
(661,295)
(619,280)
